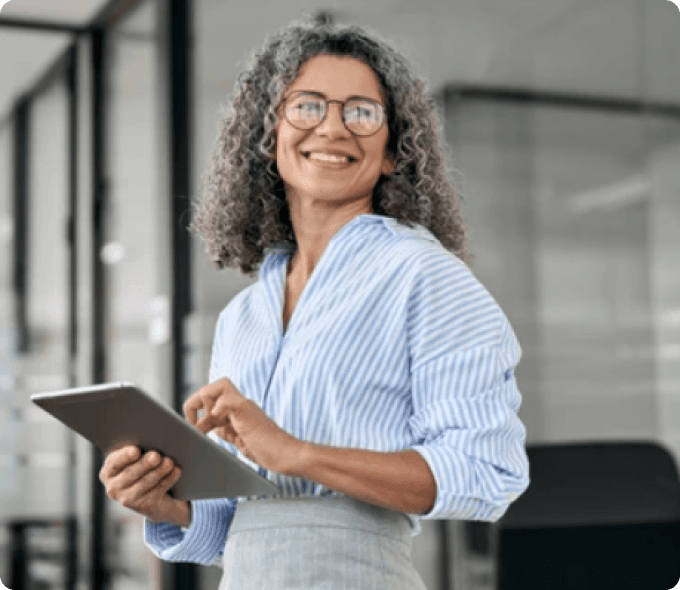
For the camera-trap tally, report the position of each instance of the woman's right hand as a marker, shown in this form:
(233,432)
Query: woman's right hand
(141,483)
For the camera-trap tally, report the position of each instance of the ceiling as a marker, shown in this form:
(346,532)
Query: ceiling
(65,11)
(27,55)
(622,48)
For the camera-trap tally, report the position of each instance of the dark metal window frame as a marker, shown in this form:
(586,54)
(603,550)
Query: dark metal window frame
(610,104)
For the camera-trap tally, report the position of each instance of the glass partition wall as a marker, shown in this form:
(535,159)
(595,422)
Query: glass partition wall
(45,367)
(570,207)
(558,200)
(41,505)
(37,458)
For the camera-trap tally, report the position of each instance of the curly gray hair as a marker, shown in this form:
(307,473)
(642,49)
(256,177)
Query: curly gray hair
(244,210)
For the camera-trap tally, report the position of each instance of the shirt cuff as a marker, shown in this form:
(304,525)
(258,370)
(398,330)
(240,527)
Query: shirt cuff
(202,542)
(459,493)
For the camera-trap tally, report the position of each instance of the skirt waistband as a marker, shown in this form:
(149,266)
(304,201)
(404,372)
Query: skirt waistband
(322,511)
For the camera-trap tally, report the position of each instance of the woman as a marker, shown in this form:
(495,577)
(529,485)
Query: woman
(367,372)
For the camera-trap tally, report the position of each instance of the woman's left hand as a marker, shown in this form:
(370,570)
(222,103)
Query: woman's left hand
(241,422)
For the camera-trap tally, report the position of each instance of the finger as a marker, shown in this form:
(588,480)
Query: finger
(118,446)
(230,431)
(205,396)
(150,461)
(206,424)
(201,400)
(118,460)
(170,479)
(192,405)
(161,483)
(219,413)
(164,477)
(154,470)
(225,404)
(210,419)
(226,432)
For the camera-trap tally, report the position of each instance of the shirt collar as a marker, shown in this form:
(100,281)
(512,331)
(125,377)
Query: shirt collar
(418,230)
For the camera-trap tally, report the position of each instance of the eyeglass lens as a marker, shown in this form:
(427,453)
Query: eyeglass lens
(361,116)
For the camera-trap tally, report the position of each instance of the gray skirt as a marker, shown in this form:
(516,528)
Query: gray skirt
(318,543)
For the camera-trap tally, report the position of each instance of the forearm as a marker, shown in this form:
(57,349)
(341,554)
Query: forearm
(183,517)
(399,481)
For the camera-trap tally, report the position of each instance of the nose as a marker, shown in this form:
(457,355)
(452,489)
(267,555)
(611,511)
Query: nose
(333,126)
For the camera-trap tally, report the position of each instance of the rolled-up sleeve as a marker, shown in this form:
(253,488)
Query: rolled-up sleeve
(203,542)
(465,396)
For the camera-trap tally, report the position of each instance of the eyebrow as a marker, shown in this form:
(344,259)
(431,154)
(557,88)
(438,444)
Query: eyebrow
(315,92)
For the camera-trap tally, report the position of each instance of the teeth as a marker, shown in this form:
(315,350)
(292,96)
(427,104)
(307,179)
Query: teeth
(328,157)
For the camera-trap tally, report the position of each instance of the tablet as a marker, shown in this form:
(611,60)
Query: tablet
(112,415)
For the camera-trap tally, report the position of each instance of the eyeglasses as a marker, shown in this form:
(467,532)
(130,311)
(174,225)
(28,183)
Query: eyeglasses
(306,110)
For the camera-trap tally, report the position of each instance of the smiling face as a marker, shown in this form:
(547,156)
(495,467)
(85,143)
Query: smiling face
(329,162)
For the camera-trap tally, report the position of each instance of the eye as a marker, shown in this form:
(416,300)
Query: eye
(305,107)
(361,112)
(311,106)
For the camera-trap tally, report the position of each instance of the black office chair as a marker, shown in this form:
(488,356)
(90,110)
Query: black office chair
(600,516)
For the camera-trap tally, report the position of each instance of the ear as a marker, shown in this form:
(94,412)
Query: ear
(387,165)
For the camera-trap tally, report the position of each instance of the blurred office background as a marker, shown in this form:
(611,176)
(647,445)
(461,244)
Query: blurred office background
(563,117)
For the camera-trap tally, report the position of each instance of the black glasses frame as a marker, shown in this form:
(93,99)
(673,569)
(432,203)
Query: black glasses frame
(326,102)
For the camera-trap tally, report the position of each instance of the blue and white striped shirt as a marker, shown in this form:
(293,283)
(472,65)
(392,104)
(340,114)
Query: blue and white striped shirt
(393,345)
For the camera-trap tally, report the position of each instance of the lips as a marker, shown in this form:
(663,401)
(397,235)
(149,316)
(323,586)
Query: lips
(332,156)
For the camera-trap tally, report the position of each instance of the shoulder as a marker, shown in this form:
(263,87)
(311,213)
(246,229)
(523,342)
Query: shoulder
(438,282)
(407,230)
(420,251)
(443,289)
(235,304)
